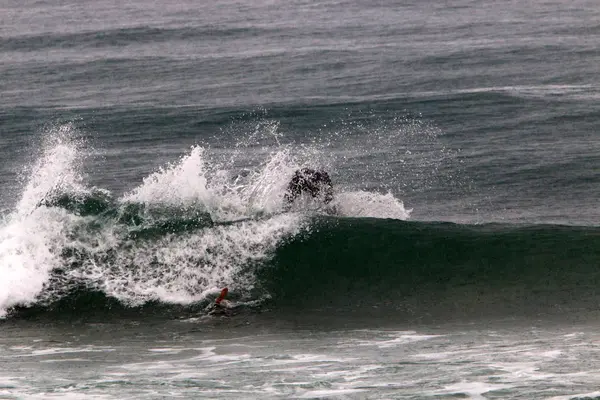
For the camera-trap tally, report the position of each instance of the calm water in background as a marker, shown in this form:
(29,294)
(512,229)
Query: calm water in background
(470,113)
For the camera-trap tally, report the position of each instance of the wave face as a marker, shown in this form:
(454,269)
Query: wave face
(443,270)
(189,229)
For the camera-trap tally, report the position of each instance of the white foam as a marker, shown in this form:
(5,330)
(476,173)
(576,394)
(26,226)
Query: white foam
(67,350)
(474,390)
(71,393)
(524,370)
(573,335)
(551,353)
(442,355)
(32,237)
(56,171)
(356,373)
(318,394)
(404,339)
(180,184)
(8,382)
(582,396)
(397,339)
(368,204)
(166,350)
(217,189)
(208,354)
(20,348)
(185,268)
(265,188)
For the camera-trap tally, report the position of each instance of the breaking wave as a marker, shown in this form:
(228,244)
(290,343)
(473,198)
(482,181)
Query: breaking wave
(188,229)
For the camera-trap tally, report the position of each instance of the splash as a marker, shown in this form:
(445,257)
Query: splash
(224,193)
(165,250)
(32,236)
(264,189)
(28,253)
(56,171)
(371,205)
(184,183)
(189,228)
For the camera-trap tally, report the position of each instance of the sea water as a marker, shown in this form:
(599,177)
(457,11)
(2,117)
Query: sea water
(146,149)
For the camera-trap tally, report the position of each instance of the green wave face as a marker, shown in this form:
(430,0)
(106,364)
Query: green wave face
(436,269)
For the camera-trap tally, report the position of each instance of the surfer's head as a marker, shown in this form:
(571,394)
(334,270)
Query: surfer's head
(315,183)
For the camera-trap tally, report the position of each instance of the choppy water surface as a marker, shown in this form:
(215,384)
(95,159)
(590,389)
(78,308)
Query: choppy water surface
(222,360)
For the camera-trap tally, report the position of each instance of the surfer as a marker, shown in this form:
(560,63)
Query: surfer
(221,305)
(220,301)
(316,183)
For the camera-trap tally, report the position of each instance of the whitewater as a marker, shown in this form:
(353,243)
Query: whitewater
(187,230)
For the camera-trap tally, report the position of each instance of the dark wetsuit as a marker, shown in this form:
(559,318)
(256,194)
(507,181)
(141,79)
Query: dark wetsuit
(313,182)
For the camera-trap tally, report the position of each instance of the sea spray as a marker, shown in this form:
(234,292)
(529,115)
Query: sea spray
(58,169)
(215,188)
(265,188)
(368,204)
(181,184)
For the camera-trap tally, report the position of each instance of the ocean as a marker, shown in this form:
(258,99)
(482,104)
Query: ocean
(146,149)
